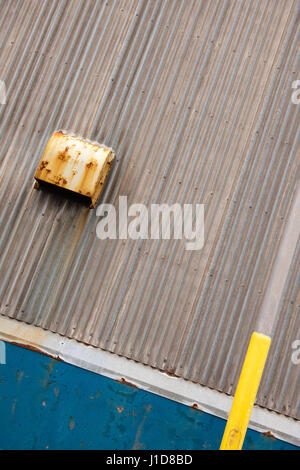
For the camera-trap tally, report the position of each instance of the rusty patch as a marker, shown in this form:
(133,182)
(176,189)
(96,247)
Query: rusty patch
(91,164)
(63,156)
(171,374)
(60,180)
(43,164)
(268,434)
(71,423)
(123,381)
(35,349)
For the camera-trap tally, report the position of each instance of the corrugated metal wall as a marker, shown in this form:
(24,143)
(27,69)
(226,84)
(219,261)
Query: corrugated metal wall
(195,97)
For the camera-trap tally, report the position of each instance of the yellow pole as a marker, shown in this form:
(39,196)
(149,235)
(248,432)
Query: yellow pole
(246,392)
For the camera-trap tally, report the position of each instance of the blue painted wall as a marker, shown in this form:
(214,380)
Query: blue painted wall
(47,404)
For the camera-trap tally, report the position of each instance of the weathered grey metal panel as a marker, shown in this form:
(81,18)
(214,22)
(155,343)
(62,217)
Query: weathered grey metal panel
(195,97)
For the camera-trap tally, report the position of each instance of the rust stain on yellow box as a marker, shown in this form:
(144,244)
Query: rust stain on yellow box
(75,164)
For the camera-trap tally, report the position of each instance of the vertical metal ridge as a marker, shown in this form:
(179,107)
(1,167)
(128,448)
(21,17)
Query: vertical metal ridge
(103,271)
(133,254)
(236,199)
(281,377)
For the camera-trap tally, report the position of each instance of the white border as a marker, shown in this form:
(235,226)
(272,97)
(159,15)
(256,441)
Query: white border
(144,377)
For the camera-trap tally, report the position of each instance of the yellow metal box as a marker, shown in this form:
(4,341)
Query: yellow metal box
(75,164)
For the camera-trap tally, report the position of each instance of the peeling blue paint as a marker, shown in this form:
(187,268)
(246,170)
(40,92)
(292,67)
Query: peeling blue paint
(48,404)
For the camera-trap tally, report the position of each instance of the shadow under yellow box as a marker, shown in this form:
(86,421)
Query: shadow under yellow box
(75,164)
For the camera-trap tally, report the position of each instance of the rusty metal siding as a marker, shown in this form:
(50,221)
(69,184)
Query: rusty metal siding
(195,97)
